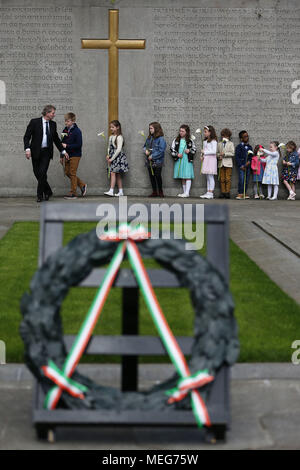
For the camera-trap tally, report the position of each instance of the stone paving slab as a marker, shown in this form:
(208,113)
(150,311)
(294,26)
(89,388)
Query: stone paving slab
(265,411)
(283,424)
(12,374)
(289,237)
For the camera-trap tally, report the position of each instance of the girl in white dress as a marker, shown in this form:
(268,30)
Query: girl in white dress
(209,160)
(271,177)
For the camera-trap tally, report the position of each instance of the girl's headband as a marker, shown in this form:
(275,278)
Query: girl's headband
(206,127)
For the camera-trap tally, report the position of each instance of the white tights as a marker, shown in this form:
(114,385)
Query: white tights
(186,186)
(275,194)
(210,182)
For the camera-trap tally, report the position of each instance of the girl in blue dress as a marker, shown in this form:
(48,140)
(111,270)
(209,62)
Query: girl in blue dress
(183,150)
(271,177)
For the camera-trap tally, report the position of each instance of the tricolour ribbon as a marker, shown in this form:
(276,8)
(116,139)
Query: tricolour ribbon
(125,232)
(95,310)
(63,382)
(169,340)
(88,325)
(188,383)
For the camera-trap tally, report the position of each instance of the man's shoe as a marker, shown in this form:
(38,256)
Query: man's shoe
(239,196)
(83,190)
(154,194)
(39,199)
(161,194)
(70,196)
(227,195)
(222,196)
(48,195)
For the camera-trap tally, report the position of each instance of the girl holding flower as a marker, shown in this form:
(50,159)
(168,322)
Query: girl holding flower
(209,160)
(154,149)
(183,150)
(290,169)
(116,158)
(257,168)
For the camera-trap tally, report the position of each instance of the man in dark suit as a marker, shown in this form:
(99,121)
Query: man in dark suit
(39,137)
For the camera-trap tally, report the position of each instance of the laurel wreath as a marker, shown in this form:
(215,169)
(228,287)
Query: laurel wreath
(215,339)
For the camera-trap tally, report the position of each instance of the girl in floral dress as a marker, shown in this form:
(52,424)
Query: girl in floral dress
(116,158)
(290,169)
(271,177)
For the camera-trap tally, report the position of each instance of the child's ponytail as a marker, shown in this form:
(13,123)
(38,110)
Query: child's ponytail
(276,143)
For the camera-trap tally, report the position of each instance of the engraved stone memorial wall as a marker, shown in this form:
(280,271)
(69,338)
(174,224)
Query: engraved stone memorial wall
(234,66)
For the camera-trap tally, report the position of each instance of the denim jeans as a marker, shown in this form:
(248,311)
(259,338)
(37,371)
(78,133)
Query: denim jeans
(241,180)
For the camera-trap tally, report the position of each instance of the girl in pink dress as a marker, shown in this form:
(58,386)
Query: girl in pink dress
(209,160)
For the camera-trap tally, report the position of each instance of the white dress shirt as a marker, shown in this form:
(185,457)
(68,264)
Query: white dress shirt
(44,141)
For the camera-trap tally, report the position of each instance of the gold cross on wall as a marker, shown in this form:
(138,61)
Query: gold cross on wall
(113,44)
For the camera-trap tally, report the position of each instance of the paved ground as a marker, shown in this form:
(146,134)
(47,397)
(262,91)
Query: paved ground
(265,409)
(265,397)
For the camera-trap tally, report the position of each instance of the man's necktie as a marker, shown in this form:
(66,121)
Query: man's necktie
(47,133)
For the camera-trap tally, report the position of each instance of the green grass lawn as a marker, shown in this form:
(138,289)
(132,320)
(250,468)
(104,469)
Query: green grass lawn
(268,318)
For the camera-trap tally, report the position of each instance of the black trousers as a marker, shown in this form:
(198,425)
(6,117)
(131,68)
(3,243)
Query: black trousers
(40,167)
(156,180)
